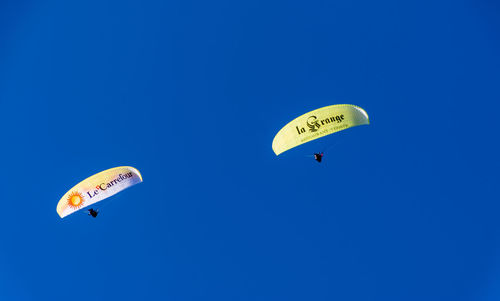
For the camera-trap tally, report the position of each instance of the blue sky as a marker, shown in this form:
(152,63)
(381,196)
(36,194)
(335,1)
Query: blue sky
(192,93)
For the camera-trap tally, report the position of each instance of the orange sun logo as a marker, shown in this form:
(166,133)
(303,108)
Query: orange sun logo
(75,200)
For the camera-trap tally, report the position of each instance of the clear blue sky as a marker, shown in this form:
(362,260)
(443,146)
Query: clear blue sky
(192,93)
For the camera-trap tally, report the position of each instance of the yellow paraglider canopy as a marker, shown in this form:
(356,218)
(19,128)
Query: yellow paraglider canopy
(317,124)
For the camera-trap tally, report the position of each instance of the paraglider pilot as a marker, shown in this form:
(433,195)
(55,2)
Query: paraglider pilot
(93,212)
(318,157)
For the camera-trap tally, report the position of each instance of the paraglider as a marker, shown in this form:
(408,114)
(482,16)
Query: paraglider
(316,124)
(318,157)
(97,188)
(93,212)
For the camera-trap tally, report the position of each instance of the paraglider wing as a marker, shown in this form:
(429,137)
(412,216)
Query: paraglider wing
(317,124)
(97,188)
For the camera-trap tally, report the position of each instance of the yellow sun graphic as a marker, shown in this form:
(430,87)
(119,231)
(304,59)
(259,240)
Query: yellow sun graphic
(75,200)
